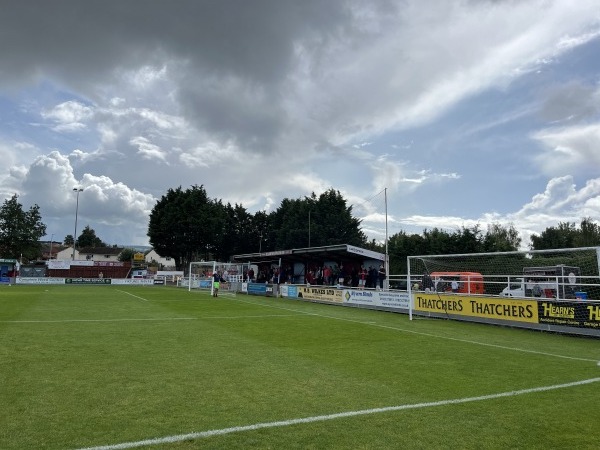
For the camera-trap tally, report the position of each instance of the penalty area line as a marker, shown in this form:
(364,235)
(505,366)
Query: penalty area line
(322,418)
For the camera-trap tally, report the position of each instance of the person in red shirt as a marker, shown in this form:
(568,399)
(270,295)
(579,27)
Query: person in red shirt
(362,277)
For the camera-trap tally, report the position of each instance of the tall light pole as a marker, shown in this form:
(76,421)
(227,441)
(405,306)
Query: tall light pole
(51,242)
(78,190)
(387,255)
(309,228)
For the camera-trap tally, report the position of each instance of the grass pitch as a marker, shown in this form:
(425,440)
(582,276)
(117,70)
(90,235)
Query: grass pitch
(159,367)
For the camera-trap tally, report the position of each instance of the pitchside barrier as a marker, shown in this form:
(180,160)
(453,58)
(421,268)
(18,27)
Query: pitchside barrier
(554,290)
(87,281)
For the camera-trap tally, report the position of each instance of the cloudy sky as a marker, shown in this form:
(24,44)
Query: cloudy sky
(464,112)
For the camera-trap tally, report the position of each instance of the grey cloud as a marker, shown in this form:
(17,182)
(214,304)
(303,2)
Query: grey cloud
(258,100)
(74,38)
(571,101)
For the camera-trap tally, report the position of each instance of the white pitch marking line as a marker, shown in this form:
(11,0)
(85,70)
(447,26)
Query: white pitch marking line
(420,333)
(136,296)
(254,317)
(155,319)
(98,320)
(284,423)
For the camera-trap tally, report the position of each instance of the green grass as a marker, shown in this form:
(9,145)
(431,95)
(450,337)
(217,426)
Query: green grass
(84,366)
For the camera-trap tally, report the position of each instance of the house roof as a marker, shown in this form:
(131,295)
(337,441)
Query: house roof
(100,250)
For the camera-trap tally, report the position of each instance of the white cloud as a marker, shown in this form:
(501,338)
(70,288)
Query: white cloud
(569,149)
(69,116)
(261,104)
(561,201)
(148,150)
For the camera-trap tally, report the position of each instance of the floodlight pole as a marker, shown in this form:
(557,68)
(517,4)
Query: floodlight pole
(51,242)
(309,228)
(387,256)
(77,190)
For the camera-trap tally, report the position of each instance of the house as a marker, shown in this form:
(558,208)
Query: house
(66,253)
(89,262)
(165,262)
(91,253)
(51,248)
(100,253)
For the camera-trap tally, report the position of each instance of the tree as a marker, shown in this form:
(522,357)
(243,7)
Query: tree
(401,245)
(588,234)
(289,225)
(335,223)
(20,231)
(126,254)
(185,225)
(258,237)
(240,232)
(466,240)
(88,238)
(437,242)
(562,236)
(325,220)
(567,235)
(69,240)
(501,239)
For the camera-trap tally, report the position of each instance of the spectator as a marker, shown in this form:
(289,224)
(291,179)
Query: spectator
(454,285)
(371,277)
(427,283)
(353,277)
(327,272)
(310,277)
(362,277)
(381,276)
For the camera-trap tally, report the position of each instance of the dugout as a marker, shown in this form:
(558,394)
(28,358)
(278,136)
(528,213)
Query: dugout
(296,263)
(8,270)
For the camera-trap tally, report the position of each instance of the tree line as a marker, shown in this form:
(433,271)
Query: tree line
(21,231)
(188,225)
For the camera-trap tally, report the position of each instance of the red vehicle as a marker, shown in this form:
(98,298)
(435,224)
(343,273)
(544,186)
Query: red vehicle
(464,282)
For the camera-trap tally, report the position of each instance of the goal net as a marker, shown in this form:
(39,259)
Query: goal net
(561,275)
(201,276)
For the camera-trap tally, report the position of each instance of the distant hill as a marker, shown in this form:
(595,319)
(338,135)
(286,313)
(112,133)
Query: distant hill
(139,248)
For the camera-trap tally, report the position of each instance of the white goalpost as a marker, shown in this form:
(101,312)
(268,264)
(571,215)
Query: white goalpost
(561,275)
(201,276)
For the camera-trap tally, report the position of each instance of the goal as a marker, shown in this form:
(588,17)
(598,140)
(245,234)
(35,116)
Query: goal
(561,274)
(200,276)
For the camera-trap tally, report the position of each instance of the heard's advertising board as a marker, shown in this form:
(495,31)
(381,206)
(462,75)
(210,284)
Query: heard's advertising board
(570,314)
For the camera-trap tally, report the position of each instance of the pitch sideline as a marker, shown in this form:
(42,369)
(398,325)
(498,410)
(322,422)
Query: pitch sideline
(323,418)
